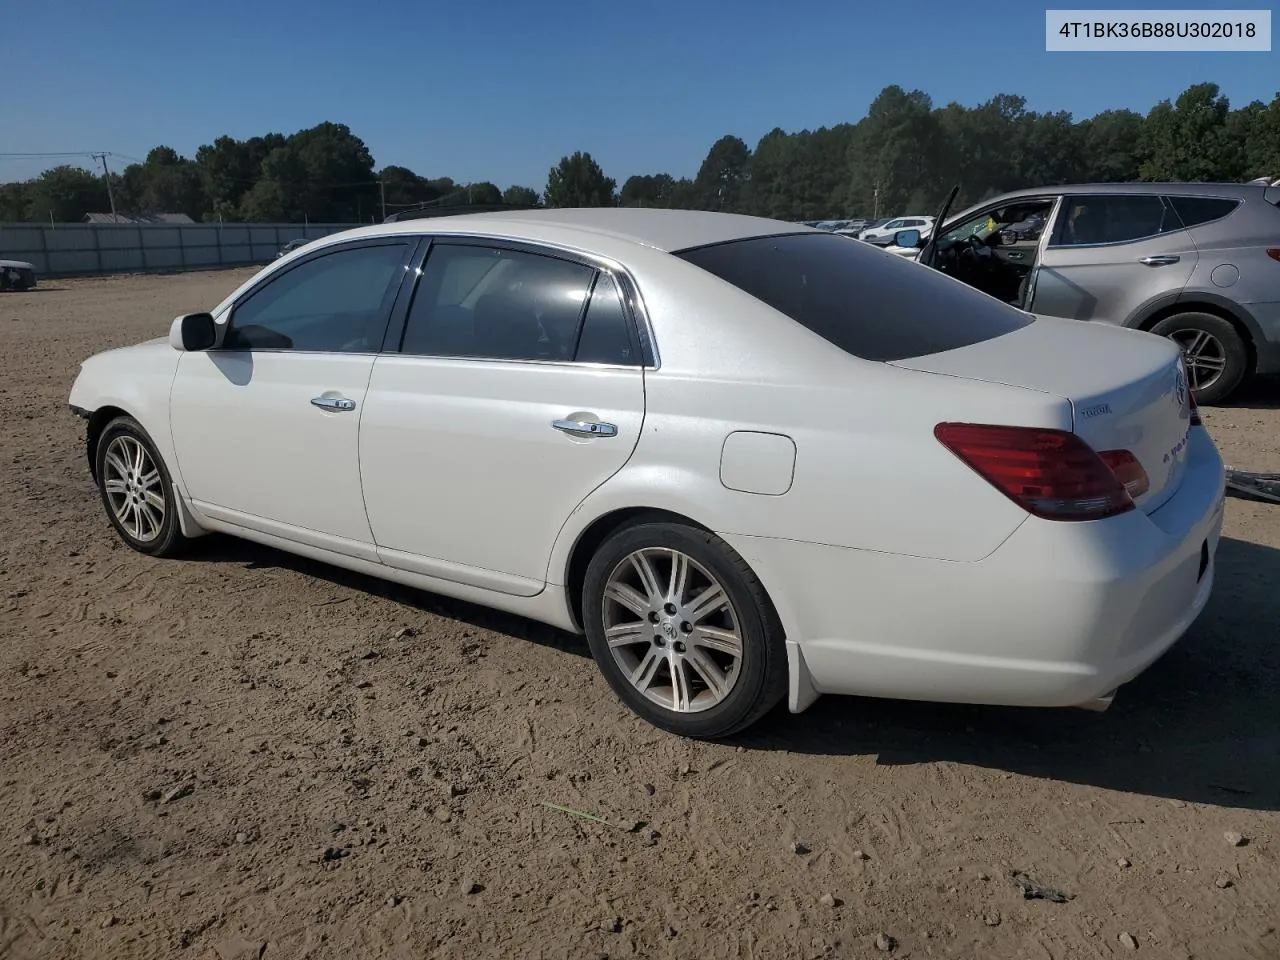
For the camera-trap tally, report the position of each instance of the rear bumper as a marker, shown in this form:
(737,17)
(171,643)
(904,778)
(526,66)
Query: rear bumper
(1061,614)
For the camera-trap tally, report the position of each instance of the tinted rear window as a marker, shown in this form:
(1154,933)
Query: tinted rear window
(1193,211)
(873,305)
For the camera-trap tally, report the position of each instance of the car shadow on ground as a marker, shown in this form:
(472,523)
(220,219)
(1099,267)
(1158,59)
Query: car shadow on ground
(217,548)
(1261,393)
(1202,725)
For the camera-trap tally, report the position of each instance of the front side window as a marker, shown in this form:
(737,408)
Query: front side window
(850,296)
(1113,218)
(996,220)
(337,302)
(497,304)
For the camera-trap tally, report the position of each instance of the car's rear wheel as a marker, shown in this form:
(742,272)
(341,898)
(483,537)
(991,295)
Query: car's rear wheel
(683,630)
(136,489)
(1216,356)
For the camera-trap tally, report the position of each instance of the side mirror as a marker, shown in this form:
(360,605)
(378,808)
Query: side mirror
(193,331)
(906,238)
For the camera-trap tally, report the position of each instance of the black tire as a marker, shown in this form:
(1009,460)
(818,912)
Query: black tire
(762,671)
(168,540)
(1182,327)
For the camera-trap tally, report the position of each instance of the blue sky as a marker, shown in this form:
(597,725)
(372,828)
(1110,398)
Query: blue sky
(500,90)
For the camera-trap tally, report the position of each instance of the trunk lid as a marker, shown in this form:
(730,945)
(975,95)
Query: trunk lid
(1127,389)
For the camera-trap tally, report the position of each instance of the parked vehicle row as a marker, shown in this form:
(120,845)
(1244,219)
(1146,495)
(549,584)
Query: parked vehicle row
(736,453)
(1196,262)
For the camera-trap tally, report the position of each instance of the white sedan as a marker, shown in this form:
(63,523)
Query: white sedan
(752,461)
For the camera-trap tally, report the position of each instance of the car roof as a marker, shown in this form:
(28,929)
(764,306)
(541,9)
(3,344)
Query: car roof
(1241,190)
(665,230)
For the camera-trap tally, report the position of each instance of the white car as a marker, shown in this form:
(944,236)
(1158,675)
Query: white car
(883,234)
(752,461)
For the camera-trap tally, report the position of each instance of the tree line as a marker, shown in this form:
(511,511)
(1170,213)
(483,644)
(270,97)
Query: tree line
(903,156)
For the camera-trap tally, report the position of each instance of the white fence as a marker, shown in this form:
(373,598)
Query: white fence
(80,249)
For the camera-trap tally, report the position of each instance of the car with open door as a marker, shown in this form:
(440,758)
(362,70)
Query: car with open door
(1196,262)
(734,452)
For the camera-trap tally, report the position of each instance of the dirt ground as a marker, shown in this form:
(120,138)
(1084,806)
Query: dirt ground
(246,755)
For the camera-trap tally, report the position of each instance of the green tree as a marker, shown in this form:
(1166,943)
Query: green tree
(65,194)
(517,196)
(578,181)
(648,190)
(724,176)
(1187,140)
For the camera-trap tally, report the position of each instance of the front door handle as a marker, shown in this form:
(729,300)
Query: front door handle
(333,403)
(1016,256)
(591,427)
(1160,260)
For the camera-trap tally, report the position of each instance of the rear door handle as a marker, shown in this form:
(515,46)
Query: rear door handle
(1016,256)
(333,403)
(1160,260)
(590,427)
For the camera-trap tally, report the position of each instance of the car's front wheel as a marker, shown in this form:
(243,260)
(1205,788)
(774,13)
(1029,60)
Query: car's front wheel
(683,630)
(136,489)
(1216,356)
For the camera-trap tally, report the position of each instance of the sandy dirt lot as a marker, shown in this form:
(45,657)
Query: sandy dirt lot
(246,755)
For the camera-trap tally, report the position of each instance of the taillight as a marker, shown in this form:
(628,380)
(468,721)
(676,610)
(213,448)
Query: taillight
(1127,470)
(1052,474)
(1273,253)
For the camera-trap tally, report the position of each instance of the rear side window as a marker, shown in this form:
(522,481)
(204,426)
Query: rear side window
(496,304)
(1113,218)
(1193,211)
(606,333)
(871,305)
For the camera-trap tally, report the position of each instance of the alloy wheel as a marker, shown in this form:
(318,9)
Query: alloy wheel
(672,629)
(1204,354)
(134,488)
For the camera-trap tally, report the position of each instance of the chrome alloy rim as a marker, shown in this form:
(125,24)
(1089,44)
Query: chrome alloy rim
(132,483)
(1204,355)
(672,630)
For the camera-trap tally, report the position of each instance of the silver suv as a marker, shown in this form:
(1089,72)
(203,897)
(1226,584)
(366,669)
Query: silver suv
(1198,262)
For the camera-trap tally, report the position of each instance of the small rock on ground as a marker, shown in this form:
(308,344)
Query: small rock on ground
(1223,882)
(799,848)
(1235,839)
(827,900)
(885,943)
(443,814)
(1126,939)
(991,918)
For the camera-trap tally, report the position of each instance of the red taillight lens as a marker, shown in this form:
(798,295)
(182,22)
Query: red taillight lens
(1127,470)
(1273,253)
(1052,474)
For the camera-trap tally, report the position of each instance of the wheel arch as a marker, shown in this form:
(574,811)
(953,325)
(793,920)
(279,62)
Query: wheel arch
(97,422)
(599,530)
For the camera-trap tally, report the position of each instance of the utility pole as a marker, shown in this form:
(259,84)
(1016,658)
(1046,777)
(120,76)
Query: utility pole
(382,189)
(107,173)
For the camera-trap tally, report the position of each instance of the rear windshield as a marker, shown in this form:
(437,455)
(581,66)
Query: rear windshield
(873,305)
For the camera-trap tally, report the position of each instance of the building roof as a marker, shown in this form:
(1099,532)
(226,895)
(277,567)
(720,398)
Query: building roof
(140,218)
